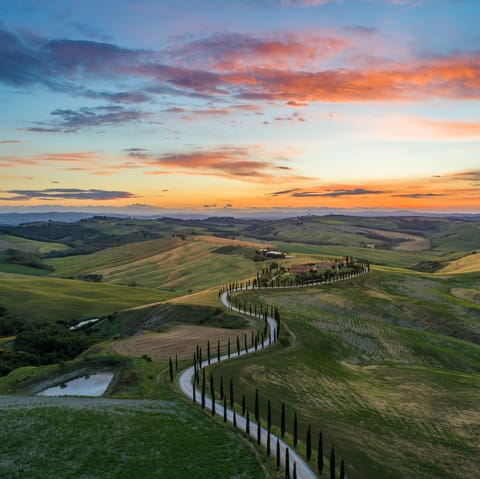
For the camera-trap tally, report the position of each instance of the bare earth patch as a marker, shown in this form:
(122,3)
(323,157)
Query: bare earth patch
(181,340)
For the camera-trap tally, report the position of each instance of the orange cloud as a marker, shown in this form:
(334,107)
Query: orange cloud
(452,77)
(239,163)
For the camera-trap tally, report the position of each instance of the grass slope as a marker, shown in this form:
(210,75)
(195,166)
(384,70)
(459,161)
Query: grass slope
(52,299)
(375,367)
(467,264)
(98,438)
(172,263)
(28,245)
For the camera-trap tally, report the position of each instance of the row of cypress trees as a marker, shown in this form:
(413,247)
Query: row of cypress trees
(262,311)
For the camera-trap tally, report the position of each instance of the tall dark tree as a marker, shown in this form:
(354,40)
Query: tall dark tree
(268,443)
(342,469)
(176,362)
(282,421)
(259,431)
(243,405)
(332,462)
(278,454)
(238,346)
(257,411)
(234,418)
(218,351)
(170,366)
(193,394)
(225,409)
(228,348)
(232,399)
(221,387)
(203,393)
(294,470)
(245,341)
(213,402)
(247,428)
(269,415)
(287,464)
(295,430)
(308,444)
(208,352)
(320,453)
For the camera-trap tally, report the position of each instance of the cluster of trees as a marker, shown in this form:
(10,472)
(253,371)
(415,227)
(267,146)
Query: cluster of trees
(32,260)
(276,276)
(37,344)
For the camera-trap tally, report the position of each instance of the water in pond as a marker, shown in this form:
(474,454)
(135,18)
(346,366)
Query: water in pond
(93,385)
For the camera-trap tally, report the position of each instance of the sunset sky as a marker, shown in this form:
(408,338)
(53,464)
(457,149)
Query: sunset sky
(220,104)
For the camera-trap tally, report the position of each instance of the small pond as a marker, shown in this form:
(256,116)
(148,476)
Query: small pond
(92,385)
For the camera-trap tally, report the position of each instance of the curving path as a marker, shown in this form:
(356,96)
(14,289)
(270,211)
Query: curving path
(185,382)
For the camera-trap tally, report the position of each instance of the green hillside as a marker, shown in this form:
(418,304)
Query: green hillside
(51,299)
(387,366)
(173,263)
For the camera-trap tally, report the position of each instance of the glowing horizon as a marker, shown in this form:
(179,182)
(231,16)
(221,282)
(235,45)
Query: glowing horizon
(368,104)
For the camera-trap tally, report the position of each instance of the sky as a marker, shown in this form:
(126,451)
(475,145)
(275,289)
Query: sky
(225,104)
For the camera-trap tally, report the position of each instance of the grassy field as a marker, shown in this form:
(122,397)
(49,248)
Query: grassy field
(180,265)
(28,245)
(99,438)
(375,366)
(51,299)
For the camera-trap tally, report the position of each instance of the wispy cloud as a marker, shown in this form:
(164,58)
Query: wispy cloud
(67,194)
(246,163)
(71,121)
(336,193)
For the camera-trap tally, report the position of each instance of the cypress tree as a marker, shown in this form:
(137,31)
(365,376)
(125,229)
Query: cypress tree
(218,351)
(282,421)
(269,415)
(252,335)
(193,395)
(212,386)
(225,409)
(342,469)
(238,346)
(245,342)
(320,453)
(259,431)
(268,443)
(221,387)
(231,393)
(294,470)
(213,403)
(203,393)
(170,366)
(278,454)
(243,405)
(257,412)
(295,430)
(287,464)
(200,357)
(234,418)
(228,348)
(332,463)
(308,444)
(256,342)
(247,429)
(208,352)
(176,362)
